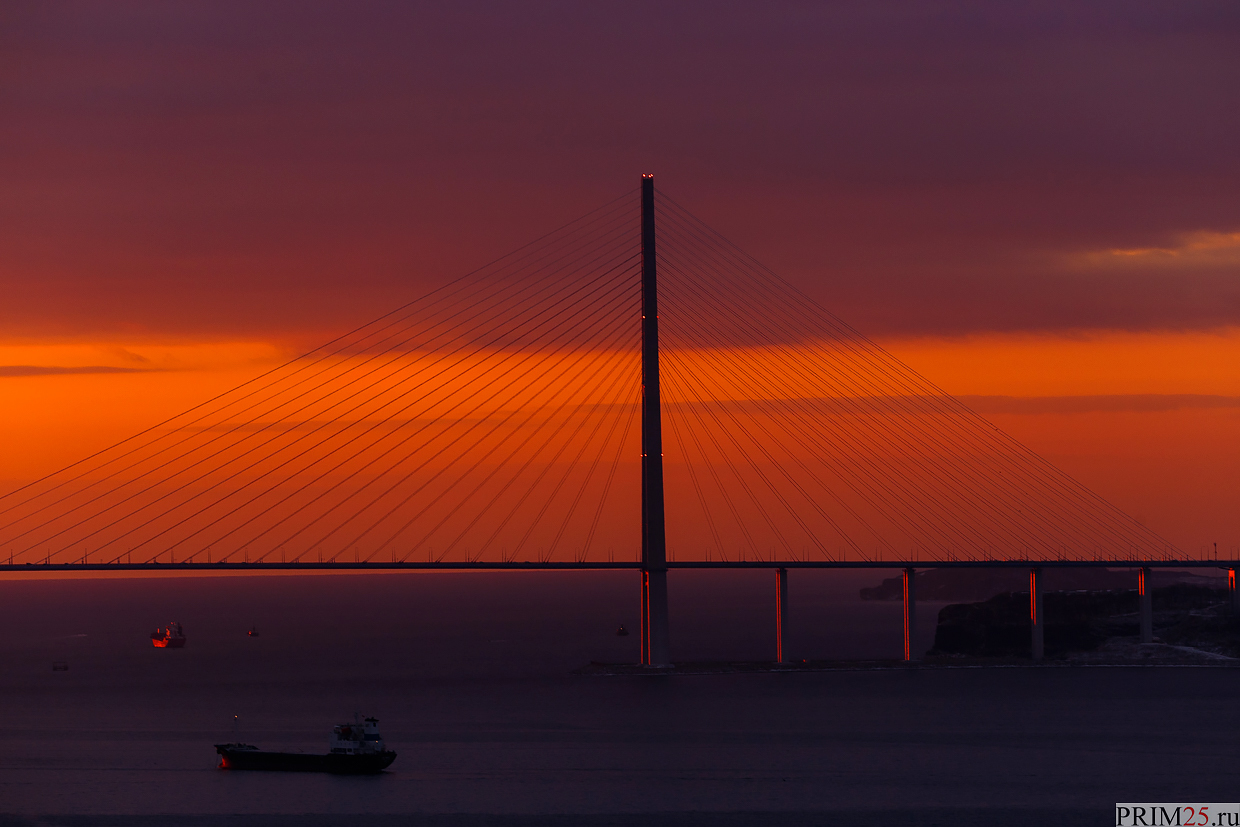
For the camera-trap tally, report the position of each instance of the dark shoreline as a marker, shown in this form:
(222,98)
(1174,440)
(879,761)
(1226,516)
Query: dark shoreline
(937,664)
(923,817)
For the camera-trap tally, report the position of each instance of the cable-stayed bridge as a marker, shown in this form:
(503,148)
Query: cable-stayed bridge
(615,394)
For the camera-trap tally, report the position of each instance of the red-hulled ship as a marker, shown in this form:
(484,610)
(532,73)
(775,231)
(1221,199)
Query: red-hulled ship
(171,638)
(354,749)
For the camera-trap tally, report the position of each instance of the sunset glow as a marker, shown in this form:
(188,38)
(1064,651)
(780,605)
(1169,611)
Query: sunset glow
(1145,418)
(161,252)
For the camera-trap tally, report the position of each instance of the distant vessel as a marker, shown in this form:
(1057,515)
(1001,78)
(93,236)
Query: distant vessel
(171,638)
(622,632)
(353,749)
(253,631)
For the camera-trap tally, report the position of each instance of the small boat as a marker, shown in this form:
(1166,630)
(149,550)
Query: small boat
(352,749)
(171,638)
(622,632)
(253,631)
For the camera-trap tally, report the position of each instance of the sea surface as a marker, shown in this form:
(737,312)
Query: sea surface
(471,677)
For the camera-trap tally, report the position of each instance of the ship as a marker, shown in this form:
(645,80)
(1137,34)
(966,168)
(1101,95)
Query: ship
(352,749)
(171,638)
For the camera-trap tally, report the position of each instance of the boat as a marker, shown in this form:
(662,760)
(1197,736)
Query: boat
(622,632)
(352,749)
(171,638)
(253,631)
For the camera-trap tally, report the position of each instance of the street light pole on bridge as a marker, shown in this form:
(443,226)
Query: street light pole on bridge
(654,641)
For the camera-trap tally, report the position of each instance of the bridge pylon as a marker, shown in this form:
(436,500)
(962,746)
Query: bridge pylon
(655,644)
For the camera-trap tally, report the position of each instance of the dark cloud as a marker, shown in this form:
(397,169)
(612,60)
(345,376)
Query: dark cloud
(1113,403)
(239,169)
(988,405)
(39,370)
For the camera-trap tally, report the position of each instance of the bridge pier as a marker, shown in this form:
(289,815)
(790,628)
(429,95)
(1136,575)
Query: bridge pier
(655,645)
(1146,599)
(644,627)
(1233,593)
(1036,625)
(781,613)
(910,616)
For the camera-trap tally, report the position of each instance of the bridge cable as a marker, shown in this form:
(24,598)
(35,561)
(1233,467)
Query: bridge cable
(609,205)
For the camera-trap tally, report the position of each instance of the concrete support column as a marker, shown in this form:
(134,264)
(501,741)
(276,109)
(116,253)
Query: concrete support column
(1232,592)
(910,616)
(644,628)
(655,648)
(1036,625)
(781,613)
(1144,593)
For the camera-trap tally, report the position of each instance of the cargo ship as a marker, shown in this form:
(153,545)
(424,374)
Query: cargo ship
(352,749)
(171,638)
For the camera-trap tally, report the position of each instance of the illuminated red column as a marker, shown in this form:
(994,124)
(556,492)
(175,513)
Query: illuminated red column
(781,613)
(1232,592)
(910,616)
(1147,605)
(1036,626)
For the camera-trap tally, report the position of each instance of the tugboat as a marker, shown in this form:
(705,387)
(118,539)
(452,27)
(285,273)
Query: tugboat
(253,631)
(171,638)
(352,749)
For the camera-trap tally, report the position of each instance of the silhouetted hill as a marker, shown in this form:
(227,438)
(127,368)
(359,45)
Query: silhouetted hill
(1075,622)
(958,585)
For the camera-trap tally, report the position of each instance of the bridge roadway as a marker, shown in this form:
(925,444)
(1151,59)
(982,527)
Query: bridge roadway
(907,567)
(622,565)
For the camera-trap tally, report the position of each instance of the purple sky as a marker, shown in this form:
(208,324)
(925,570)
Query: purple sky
(174,170)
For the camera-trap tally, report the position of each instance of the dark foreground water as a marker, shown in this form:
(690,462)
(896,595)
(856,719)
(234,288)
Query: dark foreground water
(470,675)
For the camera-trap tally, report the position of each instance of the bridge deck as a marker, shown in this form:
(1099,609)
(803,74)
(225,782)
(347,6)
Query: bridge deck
(619,566)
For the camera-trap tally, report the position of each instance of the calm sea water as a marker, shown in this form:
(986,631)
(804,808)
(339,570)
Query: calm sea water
(470,676)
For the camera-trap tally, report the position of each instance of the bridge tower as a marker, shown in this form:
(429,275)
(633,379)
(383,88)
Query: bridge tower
(655,644)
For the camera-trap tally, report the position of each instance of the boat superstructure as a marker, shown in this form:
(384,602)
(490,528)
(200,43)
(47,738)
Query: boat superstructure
(359,738)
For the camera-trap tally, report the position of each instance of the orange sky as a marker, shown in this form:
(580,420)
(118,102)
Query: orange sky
(1150,421)
(1147,420)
